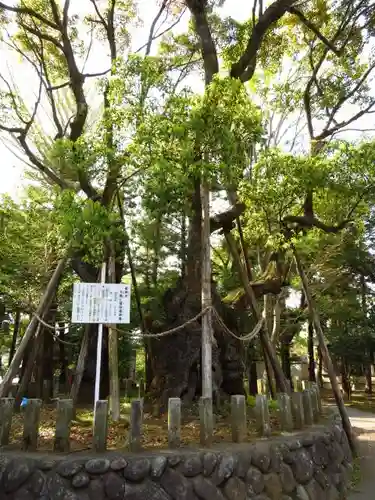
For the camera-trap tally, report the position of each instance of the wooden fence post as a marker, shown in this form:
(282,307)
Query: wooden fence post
(285,408)
(135,431)
(307,406)
(31,424)
(298,411)
(239,427)
(262,415)
(100,426)
(206,421)
(174,422)
(63,423)
(6,413)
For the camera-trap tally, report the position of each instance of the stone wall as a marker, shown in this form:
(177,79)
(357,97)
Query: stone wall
(314,465)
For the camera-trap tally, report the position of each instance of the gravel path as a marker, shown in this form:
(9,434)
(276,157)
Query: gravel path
(364,424)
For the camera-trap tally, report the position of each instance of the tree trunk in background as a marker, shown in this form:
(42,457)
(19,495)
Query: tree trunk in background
(310,348)
(17,323)
(253,378)
(285,360)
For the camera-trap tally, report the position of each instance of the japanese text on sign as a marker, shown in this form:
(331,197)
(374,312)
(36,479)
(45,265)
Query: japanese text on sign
(101,303)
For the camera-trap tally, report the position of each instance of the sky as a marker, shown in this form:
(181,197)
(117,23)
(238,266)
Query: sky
(11,166)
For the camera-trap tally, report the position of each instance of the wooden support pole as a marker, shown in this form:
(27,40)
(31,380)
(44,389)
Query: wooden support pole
(206,421)
(281,380)
(31,328)
(114,382)
(325,354)
(80,368)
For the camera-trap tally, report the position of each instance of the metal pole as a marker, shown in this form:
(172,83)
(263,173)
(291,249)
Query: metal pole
(99,345)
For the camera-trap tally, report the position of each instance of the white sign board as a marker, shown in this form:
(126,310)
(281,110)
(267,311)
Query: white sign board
(101,303)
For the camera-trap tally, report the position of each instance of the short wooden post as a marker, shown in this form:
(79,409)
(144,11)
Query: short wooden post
(262,415)
(314,404)
(135,431)
(6,413)
(319,400)
(174,422)
(100,426)
(307,407)
(206,418)
(141,389)
(297,410)
(285,409)
(63,423)
(239,427)
(31,424)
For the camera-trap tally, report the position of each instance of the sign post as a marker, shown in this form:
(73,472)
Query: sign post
(100,303)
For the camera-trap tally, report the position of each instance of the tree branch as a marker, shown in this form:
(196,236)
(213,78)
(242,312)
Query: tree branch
(244,68)
(314,29)
(209,53)
(29,12)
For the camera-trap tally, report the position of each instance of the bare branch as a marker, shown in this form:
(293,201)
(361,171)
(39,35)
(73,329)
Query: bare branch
(314,29)
(163,32)
(153,26)
(99,14)
(326,133)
